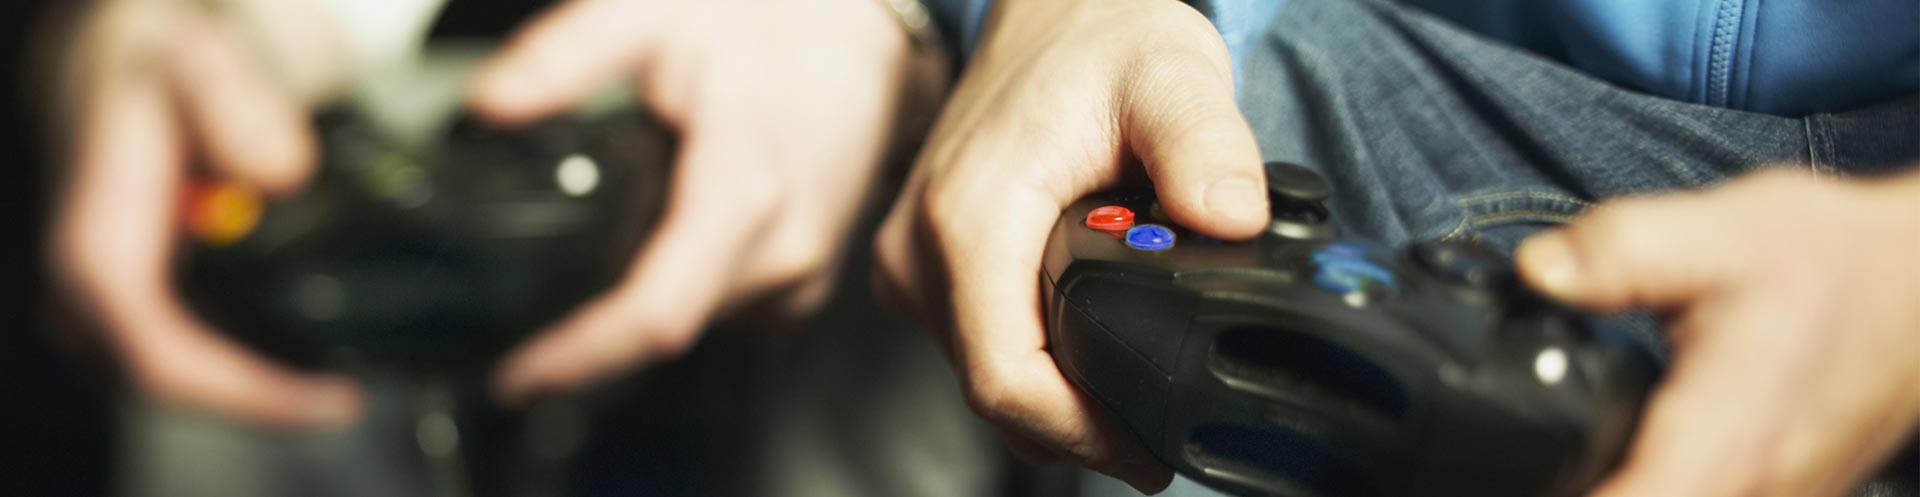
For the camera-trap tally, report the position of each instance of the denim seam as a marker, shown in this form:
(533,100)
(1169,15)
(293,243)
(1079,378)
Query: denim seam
(1461,227)
(1813,144)
(1525,214)
(1494,197)
(1826,140)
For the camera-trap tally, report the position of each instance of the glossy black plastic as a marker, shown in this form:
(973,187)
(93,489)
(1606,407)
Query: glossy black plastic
(445,253)
(1239,367)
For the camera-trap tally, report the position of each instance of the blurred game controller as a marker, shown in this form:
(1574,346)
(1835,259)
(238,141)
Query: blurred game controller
(443,252)
(1304,364)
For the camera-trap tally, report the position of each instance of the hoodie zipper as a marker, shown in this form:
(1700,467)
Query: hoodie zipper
(1726,34)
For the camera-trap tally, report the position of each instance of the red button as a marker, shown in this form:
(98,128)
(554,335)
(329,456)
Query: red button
(1110,218)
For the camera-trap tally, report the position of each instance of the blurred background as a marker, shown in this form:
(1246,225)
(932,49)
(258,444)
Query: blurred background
(852,403)
(55,428)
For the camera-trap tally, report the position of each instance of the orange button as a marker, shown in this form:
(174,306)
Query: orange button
(1110,218)
(220,213)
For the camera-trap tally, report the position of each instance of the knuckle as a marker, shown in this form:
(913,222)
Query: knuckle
(798,259)
(990,398)
(941,198)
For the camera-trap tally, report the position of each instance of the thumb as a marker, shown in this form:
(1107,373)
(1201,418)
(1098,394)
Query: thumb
(248,129)
(1181,120)
(1653,252)
(566,55)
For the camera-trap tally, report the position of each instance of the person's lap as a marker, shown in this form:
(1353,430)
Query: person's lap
(1429,131)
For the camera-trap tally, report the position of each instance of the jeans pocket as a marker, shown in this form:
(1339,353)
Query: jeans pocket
(1501,219)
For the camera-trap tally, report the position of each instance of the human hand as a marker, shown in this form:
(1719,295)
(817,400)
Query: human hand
(152,89)
(1793,319)
(1063,98)
(784,111)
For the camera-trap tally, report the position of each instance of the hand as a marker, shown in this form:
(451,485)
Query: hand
(1063,98)
(784,110)
(1795,332)
(153,87)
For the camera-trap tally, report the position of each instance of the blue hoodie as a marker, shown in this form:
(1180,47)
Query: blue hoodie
(1785,57)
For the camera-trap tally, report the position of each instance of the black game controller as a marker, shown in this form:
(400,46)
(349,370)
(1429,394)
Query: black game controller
(1303,364)
(446,252)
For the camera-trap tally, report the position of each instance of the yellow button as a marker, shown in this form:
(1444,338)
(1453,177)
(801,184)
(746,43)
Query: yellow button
(219,213)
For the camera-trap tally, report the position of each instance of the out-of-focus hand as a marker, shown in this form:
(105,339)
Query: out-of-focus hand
(151,88)
(1794,305)
(784,110)
(1062,99)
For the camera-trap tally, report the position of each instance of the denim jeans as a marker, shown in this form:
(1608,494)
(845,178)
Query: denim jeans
(1428,131)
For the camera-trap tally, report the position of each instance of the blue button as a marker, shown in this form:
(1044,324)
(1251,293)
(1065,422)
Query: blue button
(1150,237)
(1342,249)
(1344,268)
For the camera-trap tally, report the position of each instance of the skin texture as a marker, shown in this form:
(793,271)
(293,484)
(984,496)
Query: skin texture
(784,110)
(1791,303)
(1061,99)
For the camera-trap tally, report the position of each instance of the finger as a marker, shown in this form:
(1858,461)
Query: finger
(1000,339)
(114,229)
(182,362)
(566,54)
(1707,430)
(1200,153)
(719,202)
(1654,252)
(247,129)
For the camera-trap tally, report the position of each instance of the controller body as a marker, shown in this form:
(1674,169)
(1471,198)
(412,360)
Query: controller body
(1306,364)
(438,254)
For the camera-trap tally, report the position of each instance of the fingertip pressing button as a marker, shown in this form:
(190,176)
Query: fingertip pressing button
(1150,237)
(1110,218)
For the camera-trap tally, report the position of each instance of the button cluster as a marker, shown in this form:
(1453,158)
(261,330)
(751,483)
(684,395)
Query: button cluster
(1118,220)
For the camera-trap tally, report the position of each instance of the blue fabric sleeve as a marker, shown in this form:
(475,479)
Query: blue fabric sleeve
(1785,57)
(959,22)
(1239,22)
